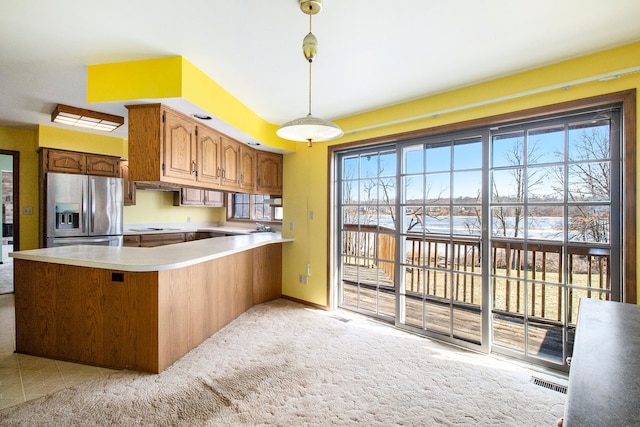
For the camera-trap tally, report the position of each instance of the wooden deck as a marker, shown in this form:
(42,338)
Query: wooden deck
(371,290)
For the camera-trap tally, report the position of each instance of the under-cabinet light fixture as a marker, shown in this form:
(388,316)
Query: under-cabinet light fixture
(88,119)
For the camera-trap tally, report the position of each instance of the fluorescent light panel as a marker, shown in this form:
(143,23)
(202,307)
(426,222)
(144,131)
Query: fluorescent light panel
(87,119)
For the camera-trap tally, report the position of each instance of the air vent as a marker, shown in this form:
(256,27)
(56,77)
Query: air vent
(550,385)
(340,318)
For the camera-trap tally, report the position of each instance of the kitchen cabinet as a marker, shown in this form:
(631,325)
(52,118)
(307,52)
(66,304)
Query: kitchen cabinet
(129,187)
(208,156)
(131,240)
(149,240)
(198,197)
(230,164)
(168,147)
(179,151)
(247,168)
(63,161)
(269,173)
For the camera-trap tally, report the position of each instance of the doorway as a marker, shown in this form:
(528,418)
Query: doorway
(9,168)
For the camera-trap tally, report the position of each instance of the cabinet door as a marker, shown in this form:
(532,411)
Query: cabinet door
(230,163)
(129,188)
(65,161)
(102,165)
(212,198)
(191,197)
(269,171)
(247,169)
(151,240)
(131,240)
(179,147)
(209,163)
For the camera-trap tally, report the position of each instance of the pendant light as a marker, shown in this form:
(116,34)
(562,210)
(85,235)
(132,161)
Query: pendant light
(310,128)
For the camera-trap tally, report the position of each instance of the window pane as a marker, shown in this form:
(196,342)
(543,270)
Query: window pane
(544,184)
(545,223)
(589,141)
(589,223)
(413,188)
(414,159)
(369,165)
(507,221)
(438,158)
(545,145)
(589,181)
(508,185)
(437,188)
(467,187)
(467,154)
(507,150)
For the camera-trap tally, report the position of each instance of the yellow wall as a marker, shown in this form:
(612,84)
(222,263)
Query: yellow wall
(154,207)
(25,141)
(305,171)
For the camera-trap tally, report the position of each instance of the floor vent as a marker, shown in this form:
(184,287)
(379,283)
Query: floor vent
(548,384)
(342,319)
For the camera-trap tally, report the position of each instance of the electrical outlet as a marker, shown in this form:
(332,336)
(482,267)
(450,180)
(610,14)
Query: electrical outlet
(303,279)
(291,226)
(310,214)
(27,210)
(188,219)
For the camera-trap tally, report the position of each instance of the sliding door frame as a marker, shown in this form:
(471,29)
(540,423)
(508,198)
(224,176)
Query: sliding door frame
(627,101)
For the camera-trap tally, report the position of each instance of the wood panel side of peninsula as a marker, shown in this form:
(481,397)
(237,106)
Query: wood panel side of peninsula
(137,320)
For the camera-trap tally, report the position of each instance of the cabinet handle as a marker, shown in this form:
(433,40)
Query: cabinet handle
(218,172)
(224,173)
(193,167)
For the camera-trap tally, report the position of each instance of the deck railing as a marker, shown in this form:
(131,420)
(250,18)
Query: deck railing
(436,266)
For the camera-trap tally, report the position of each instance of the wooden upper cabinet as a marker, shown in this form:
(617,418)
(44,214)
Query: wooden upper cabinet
(63,161)
(230,164)
(198,197)
(102,165)
(180,158)
(247,169)
(129,188)
(208,156)
(168,146)
(269,170)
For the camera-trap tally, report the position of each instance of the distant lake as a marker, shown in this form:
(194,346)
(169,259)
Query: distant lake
(543,228)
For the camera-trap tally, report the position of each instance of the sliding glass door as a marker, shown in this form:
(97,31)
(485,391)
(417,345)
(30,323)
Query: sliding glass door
(441,237)
(555,229)
(487,238)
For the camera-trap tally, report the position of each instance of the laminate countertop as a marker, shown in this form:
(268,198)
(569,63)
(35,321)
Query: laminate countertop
(604,384)
(138,259)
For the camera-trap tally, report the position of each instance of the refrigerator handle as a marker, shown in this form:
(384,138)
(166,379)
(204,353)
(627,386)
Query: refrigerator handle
(92,201)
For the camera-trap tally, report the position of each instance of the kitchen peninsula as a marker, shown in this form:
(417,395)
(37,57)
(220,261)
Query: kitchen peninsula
(139,308)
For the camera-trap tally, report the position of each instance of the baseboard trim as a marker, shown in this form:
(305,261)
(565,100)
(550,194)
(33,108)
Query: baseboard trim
(303,302)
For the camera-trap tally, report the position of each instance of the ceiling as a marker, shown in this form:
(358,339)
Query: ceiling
(372,53)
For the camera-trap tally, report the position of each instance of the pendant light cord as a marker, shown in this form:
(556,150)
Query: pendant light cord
(310,61)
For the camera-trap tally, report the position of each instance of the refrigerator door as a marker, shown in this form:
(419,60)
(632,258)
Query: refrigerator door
(66,205)
(105,206)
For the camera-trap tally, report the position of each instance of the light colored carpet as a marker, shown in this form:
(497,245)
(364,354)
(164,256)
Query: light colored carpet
(286,365)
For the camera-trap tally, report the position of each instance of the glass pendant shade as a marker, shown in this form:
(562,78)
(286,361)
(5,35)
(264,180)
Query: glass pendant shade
(309,128)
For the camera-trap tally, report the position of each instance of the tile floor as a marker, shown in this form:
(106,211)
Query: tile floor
(25,377)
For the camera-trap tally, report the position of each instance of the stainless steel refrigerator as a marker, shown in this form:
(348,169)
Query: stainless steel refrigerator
(83,210)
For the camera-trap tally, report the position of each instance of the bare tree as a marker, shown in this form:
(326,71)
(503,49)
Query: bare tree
(590,177)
